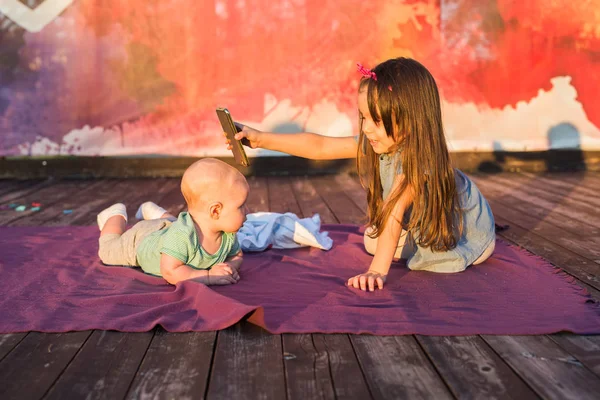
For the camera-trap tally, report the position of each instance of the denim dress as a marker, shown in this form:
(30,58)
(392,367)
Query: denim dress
(478,224)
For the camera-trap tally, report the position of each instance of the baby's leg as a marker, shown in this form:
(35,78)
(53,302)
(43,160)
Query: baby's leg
(111,247)
(115,225)
(401,250)
(112,220)
(150,210)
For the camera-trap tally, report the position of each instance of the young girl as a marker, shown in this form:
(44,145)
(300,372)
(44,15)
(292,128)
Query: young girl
(419,207)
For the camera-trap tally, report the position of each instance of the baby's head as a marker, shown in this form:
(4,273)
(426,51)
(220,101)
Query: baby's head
(215,193)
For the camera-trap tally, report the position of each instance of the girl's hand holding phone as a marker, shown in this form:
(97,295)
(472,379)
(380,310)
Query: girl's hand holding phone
(248,136)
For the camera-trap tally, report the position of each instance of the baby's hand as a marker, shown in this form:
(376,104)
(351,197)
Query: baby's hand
(367,280)
(235,266)
(222,274)
(248,136)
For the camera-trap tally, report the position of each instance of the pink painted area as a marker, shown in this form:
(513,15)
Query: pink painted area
(157,70)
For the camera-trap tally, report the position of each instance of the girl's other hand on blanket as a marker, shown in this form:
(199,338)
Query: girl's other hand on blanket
(367,281)
(222,274)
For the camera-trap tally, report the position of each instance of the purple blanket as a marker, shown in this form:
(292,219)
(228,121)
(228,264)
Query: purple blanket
(51,281)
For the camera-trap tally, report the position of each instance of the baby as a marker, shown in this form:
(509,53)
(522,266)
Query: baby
(200,244)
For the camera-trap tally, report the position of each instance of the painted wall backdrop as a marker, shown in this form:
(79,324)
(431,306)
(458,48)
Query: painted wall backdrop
(116,77)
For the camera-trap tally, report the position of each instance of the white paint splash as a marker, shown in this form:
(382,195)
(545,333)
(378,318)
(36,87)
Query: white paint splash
(553,119)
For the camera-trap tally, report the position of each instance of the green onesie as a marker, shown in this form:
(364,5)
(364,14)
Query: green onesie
(180,240)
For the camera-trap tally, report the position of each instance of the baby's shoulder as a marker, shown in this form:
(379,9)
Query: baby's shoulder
(182,229)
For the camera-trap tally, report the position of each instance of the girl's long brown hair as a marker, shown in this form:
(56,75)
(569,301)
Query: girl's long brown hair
(405,99)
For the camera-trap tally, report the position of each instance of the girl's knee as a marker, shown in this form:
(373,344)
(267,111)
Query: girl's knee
(487,253)
(443,268)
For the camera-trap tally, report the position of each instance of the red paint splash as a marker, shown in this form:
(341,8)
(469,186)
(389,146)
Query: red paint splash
(498,53)
(283,48)
(165,65)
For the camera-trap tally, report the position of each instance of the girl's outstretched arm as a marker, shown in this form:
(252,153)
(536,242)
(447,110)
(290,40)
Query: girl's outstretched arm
(306,145)
(387,243)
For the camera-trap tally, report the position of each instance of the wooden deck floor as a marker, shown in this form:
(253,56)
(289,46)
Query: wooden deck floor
(556,216)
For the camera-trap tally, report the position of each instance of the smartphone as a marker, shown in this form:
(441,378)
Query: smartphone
(230,128)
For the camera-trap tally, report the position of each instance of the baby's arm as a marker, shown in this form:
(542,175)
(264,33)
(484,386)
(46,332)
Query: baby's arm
(174,271)
(387,243)
(307,145)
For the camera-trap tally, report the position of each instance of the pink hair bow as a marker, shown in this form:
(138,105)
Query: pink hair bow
(366,72)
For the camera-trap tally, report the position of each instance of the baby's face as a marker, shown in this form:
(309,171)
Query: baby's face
(234,207)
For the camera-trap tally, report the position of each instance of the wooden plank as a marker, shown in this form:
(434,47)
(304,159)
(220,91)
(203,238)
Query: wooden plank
(578,195)
(104,368)
(541,198)
(549,370)
(176,366)
(583,245)
(84,204)
(47,196)
(149,190)
(572,263)
(11,185)
(585,348)
(351,185)
(585,183)
(336,199)
(584,199)
(8,341)
(8,185)
(497,192)
(29,187)
(310,202)
(72,197)
(306,369)
(258,196)
(322,366)
(396,367)
(248,364)
(131,192)
(587,179)
(347,376)
(472,370)
(173,201)
(33,365)
(281,196)
(317,365)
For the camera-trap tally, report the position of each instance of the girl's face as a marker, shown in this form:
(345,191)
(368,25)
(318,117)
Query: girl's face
(374,131)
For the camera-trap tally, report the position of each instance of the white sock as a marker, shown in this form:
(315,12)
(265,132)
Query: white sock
(149,210)
(115,209)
